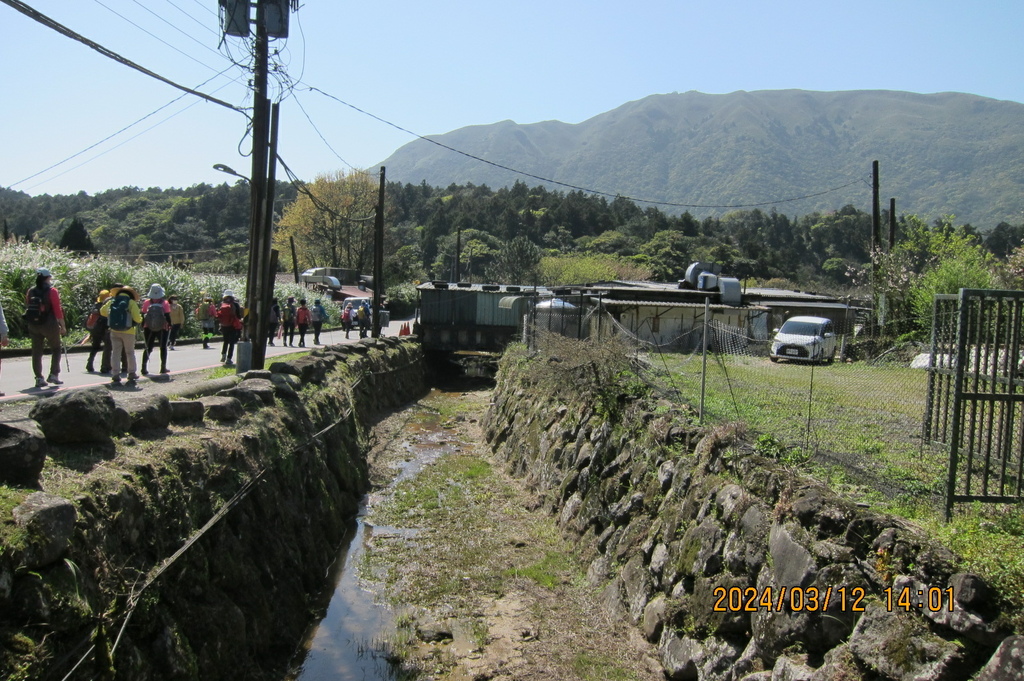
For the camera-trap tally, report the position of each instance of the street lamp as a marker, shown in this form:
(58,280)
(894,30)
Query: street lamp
(229,170)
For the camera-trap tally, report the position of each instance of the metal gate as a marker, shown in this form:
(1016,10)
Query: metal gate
(976,394)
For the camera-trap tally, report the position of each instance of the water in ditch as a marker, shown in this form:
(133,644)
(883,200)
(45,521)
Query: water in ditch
(351,640)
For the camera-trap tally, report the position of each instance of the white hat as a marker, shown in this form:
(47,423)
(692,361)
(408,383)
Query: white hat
(228,294)
(156,291)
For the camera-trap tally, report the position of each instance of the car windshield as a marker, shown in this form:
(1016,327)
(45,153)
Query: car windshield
(796,328)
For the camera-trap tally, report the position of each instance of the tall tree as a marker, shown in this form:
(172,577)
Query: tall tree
(76,238)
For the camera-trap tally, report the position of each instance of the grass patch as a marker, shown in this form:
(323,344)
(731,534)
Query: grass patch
(549,572)
(596,667)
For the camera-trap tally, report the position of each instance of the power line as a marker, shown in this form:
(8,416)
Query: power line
(573,186)
(65,31)
(109,137)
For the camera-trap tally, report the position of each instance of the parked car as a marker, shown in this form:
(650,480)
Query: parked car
(804,339)
(385,316)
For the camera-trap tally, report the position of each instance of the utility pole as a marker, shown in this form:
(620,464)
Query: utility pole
(265,279)
(892,224)
(378,258)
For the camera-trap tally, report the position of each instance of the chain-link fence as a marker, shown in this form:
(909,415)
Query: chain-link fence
(859,423)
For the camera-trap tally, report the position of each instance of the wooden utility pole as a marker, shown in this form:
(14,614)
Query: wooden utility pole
(378,258)
(876,213)
(892,224)
(265,271)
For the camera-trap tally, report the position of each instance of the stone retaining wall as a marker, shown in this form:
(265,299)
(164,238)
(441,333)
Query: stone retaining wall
(693,538)
(236,602)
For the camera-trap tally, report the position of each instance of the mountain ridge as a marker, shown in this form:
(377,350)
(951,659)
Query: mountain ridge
(942,153)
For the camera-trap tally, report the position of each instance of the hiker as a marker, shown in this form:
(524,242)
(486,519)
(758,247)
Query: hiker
(96,324)
(177,321)
(302,318)
(346,318)
(363,313)
(105,362)
(229,317)
(123,316)
(156,321)
(45,320)
(3,332)
(273,321)
(288,322)
(206,313)
(318,315)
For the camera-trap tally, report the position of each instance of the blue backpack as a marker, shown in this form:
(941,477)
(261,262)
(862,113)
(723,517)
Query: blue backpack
(120,314)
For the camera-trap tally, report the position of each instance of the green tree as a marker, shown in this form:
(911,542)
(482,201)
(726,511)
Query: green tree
(76,238)
(515,262)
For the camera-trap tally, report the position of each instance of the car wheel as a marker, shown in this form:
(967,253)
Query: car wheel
(773,359)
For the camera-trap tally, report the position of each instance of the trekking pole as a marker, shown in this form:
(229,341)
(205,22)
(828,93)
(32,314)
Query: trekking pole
(64,346)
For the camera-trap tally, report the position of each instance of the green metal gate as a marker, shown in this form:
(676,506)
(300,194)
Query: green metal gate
(976,394)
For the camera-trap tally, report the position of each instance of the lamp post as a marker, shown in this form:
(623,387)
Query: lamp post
(230,171)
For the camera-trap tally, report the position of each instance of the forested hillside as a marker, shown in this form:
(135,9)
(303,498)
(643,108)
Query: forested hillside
(940,154)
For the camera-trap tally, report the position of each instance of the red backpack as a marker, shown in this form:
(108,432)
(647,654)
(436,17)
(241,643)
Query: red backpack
(227,317)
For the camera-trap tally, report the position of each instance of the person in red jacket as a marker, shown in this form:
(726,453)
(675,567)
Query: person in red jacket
(45,320)
(302,319)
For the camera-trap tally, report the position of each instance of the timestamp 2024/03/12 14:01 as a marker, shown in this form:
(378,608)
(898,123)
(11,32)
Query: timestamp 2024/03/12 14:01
(813,599)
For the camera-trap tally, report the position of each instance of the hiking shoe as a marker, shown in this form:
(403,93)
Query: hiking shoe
(229,363)
(40,383)
(89,368)
(163,370)
(54,380)
(116,380)
(132,378)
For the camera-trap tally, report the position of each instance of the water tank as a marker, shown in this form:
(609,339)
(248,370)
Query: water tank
(729,288)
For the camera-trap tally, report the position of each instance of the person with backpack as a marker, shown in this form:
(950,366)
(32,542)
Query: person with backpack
(229,317)
(346,318)
(156,322)
(177,321)
(302,318)
(123,316)
(44,318)
(363,314)
(96,324)
(318,315)
(273,321)
(288,322)
(206,313)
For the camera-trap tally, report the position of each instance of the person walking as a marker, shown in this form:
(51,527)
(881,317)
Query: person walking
(318,315)
(105,361)
(156,322)
(206,313)
(44,317)
(123,317)
(229,317)
(177,321)
(96,324)
(273,321)
(364,319)
(288,322)
(3,333)
(346,318)
(302,319)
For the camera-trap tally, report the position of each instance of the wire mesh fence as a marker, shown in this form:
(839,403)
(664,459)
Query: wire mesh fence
(860,422)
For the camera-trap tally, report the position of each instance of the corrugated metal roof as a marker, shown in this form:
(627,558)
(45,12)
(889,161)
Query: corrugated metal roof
(653,303)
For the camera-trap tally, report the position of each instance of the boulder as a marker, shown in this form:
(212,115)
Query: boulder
(252,392)
(901,647)
(222,408)
(1006,663)
(49,522)
(654,617)
(22,453)
(187,411)
(147,412)
(76,415)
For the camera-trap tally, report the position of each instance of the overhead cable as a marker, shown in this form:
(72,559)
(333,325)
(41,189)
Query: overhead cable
(573,186)
(65,31)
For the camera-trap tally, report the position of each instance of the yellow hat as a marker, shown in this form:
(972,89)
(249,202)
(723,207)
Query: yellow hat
(104,294)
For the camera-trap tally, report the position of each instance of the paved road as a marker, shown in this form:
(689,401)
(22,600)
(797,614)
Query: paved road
(18,382)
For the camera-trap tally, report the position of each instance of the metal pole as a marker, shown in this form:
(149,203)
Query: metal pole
(704,358)
(378,258)
(265,281)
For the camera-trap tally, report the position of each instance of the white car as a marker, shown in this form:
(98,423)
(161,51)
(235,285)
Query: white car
(804,339)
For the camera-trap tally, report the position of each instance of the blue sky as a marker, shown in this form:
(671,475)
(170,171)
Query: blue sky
(433,67)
